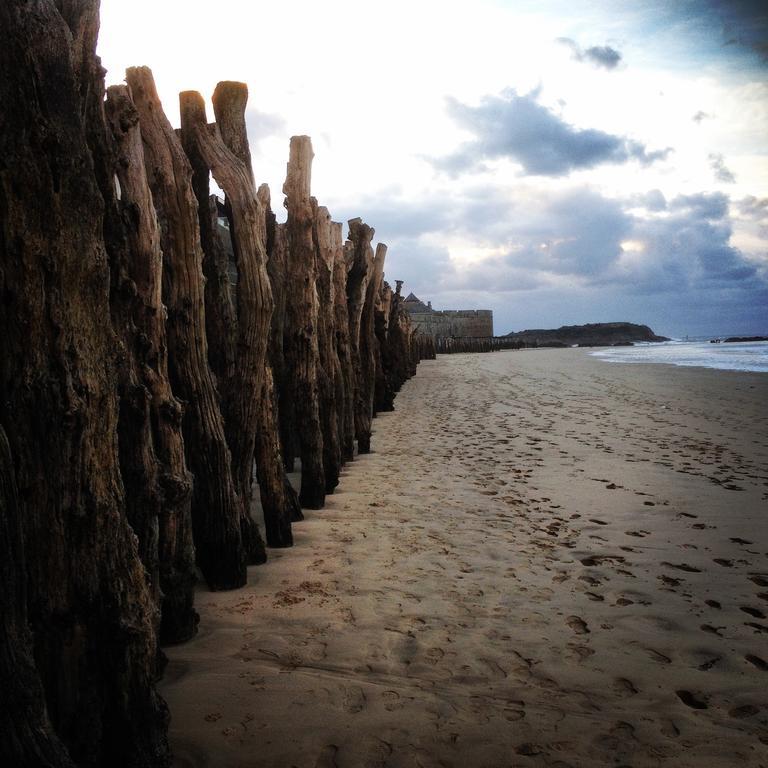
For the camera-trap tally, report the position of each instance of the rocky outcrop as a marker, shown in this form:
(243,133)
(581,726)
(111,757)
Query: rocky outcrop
(589,335)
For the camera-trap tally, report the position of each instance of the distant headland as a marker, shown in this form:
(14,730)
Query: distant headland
(589,335)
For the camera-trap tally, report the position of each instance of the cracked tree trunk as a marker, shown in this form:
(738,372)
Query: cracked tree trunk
(27,738)
(241,391)
(400,337)
(345,388)
(88,604)
(279,500)
(151,404)
(277,267)
(383,394)
(215,503)
(329,369)
(300,341)
(220,313)
(369,352)
(359,255)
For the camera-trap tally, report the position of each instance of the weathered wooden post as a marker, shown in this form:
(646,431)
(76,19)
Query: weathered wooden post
(369,352)
(242,391)
(329,369)
(384,394)
(345,387)
(215,504)
(158,471)
(279,500)
(359,256)
(88,606)
(301,337)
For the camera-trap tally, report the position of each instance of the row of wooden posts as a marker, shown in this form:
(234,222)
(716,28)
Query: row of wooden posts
(139,387)
(449,345)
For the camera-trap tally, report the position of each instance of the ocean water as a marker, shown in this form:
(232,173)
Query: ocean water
(737,356)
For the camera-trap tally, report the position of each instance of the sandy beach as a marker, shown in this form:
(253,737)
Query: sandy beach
(548,560)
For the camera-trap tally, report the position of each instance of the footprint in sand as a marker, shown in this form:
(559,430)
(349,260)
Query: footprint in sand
(578,625)
(433,655)
(391,701)
(682,567)
(669,729)
(327,757)
(656,656)
(594,560)
(746,710)
(581,652)
(755,612)
(354,700)
(528,750)
(691,700)
(757,662)
(624,687)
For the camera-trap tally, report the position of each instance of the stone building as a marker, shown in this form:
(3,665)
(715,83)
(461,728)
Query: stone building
(448,322)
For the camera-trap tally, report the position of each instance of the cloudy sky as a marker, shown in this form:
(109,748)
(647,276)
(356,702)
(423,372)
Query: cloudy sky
(558,162)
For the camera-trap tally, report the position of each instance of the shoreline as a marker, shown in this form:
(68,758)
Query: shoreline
(518,574)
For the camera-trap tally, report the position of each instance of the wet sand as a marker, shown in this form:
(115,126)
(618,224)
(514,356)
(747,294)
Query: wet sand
(548,560)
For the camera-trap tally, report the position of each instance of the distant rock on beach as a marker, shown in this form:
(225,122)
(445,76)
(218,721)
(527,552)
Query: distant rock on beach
(589,335)
(745,338)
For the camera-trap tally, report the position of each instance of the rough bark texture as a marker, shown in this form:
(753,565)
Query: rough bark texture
(359,255)
(329,368)
(88,603)
(240,393)
(215,504)
(149,403)
(384,395)
(301,346)
(399,337)
(27,738)
(278,276)
(369,352)
(277,249)
(346,387)
(279,501)
(220,313)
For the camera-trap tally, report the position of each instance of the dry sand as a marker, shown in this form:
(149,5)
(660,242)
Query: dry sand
(549,560)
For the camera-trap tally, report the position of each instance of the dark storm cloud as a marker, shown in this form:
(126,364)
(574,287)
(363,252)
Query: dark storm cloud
(598,55)
(643,257)
(603,56)
(717,164)
(688,250)
(520,129)
(744,24)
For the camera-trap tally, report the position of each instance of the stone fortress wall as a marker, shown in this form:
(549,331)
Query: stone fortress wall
(448,323)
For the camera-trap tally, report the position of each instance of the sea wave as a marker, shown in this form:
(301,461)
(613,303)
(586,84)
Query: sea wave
(734,356)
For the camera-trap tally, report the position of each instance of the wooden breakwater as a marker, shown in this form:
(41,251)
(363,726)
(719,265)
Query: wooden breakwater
(140,384)
(455,344)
